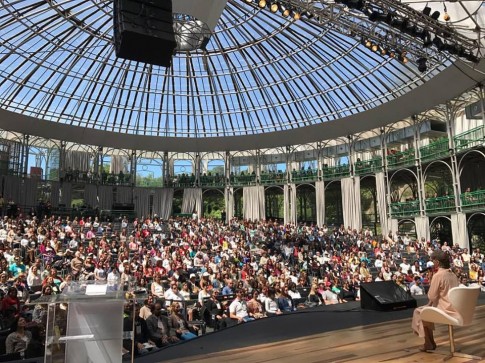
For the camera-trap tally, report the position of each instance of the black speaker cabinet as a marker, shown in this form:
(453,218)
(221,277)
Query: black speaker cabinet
(385,296)
(143,31)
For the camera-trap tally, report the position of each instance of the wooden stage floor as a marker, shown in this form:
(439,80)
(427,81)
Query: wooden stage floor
(385,342)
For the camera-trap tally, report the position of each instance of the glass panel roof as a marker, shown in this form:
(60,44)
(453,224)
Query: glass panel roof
(260,73)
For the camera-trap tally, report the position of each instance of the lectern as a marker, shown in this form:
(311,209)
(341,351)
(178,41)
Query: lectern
(84,324)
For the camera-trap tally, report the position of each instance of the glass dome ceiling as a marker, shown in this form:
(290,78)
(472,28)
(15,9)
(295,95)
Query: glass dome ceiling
(260,73)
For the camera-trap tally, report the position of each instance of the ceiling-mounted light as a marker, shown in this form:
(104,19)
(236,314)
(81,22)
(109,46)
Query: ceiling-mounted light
(374,47)
(249,1)
(274,7)
(422,64)
(296,15)
(427,10)
(368,44)
(262,3)
(383,51)
(435,15)
(285,11)
(446,16)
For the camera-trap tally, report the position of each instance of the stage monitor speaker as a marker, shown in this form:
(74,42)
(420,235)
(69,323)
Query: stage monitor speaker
(385,296)
(143,31)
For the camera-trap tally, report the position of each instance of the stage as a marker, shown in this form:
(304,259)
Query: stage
(335,333)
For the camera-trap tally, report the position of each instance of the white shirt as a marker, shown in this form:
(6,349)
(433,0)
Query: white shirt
(238,308)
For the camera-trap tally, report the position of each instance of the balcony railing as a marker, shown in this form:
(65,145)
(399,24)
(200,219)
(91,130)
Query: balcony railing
(334,172)
(405,209)
(473,200)
(304,175)
(440,204)
(368,166)
(401,159)
(436,150)
(273,178)
(243,179)
(212,180)
(469,139)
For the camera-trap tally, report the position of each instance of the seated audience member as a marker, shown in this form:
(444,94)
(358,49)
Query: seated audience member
(11,304)
(146,309)
(228,289)
(417,287)
(238,309)
(157,289)
(347,292)
(285,302)
(140,334)
(218,317)
(271,304)
(329,296)
(18,340)
(255,308)
(313,298)
(180,325)
(158,330)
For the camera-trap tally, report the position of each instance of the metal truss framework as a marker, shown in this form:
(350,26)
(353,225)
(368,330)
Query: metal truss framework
(414,29)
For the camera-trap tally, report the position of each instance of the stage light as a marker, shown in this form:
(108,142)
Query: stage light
(296,15)
(285,11)
(422,66)
(383,51)
(427,10)
(368,44)
(249,1)
(375,47)
(435,15)
(446,17)
(274,7)
(439,43)
(262,3)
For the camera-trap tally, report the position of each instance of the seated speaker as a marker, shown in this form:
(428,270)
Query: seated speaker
(143,31)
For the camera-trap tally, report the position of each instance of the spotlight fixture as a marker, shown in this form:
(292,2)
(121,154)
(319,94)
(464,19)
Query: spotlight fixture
(383,51)
(262,3)
(422,64)
(375,47)
(274,7)
(368,43)
(439,44)
(427,10)
(285,11)
(296,15)
(446,16)
(249,1)
(435,15)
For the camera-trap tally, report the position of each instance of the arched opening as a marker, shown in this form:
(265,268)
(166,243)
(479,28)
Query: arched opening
(333,204)
(368,202)
(213,203)
(274,203)
(178,197)
(238,203)
(306,203)
(476,230)
(440,229)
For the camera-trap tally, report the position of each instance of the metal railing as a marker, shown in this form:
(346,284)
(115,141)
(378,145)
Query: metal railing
(440,204)
(473,200)
(436,150)
(469,139)
(368,166)
(405,209)
(401,159)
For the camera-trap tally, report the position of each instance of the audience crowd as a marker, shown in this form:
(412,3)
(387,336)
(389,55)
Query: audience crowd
(199,272)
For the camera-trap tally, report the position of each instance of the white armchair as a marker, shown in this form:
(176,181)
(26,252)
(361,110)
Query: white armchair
(464,300)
